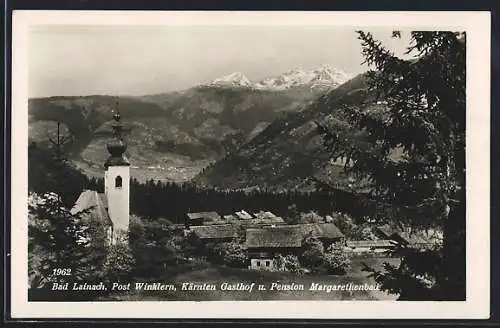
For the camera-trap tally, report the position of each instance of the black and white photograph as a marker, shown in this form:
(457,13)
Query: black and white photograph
(218,160)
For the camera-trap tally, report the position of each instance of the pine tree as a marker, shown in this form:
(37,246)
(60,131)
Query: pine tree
(58,239)
(418,112)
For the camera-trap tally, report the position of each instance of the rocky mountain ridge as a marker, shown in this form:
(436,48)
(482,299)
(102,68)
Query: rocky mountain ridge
(321,78)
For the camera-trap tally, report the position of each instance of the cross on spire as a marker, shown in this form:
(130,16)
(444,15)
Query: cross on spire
(117,145)
(117,125)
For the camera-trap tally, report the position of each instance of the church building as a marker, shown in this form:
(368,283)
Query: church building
(112,208)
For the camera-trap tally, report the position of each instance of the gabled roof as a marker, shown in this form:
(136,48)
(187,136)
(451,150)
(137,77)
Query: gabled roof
(214,216)
(289,235)
(322,230)
(282,236)
(386,230)
(95,203)
(220,231)
(369,243)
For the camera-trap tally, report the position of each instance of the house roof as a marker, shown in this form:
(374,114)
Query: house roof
(421,239)
(264,215)
(215,222)
(268,220)
(219,231)
(389,230)
(214,216)
(95,203)
(282,236)
(323,230)
(413,238)
(386,230)
(243,215)
(369,243)
(289,235)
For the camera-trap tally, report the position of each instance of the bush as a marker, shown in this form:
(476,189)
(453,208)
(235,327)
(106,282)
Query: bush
(336,260)
(156,245)
(289,263)
(119,262)
(232,254)
(312,256)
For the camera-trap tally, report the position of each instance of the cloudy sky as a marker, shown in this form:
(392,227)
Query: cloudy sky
(136,60)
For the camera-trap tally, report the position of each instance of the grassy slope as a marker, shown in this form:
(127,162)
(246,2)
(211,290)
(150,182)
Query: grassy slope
(217,275)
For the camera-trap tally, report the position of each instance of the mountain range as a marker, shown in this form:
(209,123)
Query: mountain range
(290,152)
(198,132)
(319,79)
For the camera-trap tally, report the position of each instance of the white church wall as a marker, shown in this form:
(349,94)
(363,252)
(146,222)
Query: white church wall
(118,197)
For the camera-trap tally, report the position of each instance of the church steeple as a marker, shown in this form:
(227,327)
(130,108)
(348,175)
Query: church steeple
(117,179)
(117,146)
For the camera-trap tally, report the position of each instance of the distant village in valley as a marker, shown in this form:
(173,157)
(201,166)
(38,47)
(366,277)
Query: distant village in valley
(266,235)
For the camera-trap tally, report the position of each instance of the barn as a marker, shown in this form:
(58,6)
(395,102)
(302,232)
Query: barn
(264,244)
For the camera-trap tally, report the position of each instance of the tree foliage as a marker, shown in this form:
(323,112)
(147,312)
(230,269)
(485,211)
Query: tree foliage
(336,260)
(313,253)
(58,238)
(289,263)
(156,199)
(293,216)
(49,172)
(119,261)
(417,113)
(233,254)
(155,245)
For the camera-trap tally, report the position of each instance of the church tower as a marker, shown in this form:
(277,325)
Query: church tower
(117,180)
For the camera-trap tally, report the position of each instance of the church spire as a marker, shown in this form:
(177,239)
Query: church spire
(117,125)
(117,146)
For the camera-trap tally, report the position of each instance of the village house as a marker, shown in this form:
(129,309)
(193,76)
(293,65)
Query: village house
(200,218)
(379,246)
(408,237)
(111,208)
(215,233)
(264,244)
(387,232)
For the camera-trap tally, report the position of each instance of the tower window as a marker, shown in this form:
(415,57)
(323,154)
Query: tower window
(118,182)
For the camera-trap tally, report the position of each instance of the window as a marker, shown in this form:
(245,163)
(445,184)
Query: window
(267,263)
(258,263)
(118,182)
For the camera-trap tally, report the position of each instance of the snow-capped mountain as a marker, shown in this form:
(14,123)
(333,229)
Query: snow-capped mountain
(322,78)
(236,79)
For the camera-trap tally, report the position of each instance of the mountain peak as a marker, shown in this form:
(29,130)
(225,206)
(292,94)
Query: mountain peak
(323,77)
(235,79)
